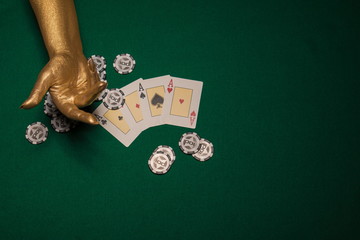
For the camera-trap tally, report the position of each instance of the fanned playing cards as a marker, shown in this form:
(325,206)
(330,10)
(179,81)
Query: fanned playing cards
(152,102)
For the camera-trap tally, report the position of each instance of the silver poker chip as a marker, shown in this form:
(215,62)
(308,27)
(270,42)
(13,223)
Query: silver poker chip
(99,61)
(124,63)
(167,150)
(205,152)
(36,133)
(103,94)
(49,99)
(61,124)
(114,99)
(102,76)
(189,143)
(159,163)
(50,109)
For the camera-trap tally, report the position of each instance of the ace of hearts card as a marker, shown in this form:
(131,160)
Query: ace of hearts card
(182,101)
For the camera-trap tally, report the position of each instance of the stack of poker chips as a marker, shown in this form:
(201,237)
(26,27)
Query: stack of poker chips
(100,64)
(37,132)
(163,157)
(59,122)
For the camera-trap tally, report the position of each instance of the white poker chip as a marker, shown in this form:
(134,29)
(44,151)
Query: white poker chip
(48,98)
(103,94)
(189,143)
(102,76)
(205,152)
(36,133)
(124,63)
(159,163)
(50,109)
(114,99)
(61,124)
(99,61)
(167,150)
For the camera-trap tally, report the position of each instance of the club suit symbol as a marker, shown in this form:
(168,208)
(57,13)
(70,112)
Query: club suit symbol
(157,100)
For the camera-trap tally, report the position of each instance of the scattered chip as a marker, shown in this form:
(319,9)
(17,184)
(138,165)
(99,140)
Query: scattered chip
(99,61)
(189,143)
(167,150)
(159,163)
(36,133)
(61,124)
(114,99)
(205,152)
(124,63)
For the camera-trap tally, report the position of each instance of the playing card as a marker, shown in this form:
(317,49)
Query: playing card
(152,93)
(133,108)
(115,123)
(182,100)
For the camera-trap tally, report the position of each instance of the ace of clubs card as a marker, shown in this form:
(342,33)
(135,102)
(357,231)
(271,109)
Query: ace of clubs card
(114,122)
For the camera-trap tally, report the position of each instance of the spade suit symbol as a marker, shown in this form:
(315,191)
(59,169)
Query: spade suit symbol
(142,95)
(157,100)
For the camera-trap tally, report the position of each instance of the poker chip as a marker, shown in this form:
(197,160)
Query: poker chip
(189,143)
(103,94)
(47,95)
(99,61)
(205,152)
(167,150)
(124,63)
(36,133)
(102,75)
(114,99)
(48,99)
(61,124)
(50,109)
(159,162)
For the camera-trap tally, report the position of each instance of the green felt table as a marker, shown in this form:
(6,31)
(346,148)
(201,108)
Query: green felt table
(280,102)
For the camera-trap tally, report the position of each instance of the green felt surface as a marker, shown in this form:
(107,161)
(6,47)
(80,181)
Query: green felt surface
(280,103)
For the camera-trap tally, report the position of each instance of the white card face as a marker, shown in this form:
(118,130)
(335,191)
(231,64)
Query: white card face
(115,123)
(182,101)
(133,108)
(152,96)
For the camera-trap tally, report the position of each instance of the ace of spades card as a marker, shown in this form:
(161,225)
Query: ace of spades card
(182,100)
(152,96)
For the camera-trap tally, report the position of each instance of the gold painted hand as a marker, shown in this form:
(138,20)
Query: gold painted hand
(72,82)
(71,79)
